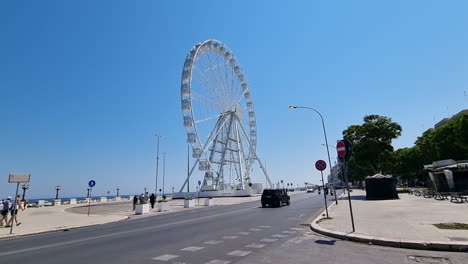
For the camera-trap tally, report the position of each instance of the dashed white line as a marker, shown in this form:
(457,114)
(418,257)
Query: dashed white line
(279,235)
(230,237)
(243,233)
(270,240)
(253,245)
(218,261)
(289,232)
(296,228)
(255,229)
(264,226)
(165,257)
(213,242)
(239,253)
(193,249)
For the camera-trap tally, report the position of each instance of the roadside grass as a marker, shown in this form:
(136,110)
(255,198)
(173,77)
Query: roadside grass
(454,226)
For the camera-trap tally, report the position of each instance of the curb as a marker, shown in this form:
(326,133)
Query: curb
(388,242)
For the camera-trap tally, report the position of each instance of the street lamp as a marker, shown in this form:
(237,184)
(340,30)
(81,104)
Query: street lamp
(326,141)
(117,192)
(25,186)
(157,162)
(57,188)
(89,189)
(164,170)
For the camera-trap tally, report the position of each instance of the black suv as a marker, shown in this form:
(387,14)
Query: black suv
(275,197)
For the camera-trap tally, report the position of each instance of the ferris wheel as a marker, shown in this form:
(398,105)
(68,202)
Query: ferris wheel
(219,117)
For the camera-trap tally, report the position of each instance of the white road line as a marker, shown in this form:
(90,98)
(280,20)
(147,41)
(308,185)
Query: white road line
(239,253)
(6,253)
(193,249)
(213,242)
(253,245)
(243,233)
(296,228)
(269,240)
(301,215)
(264,226)
(230,237)
(289,232)
(255,229)
(165,257)
(218,261)
(279,235)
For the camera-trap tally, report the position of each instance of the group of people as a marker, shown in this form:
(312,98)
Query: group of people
(326,190)
(144,198)
(10,207)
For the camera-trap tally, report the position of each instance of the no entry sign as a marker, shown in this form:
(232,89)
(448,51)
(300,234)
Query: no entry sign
(320,165)
(341,148)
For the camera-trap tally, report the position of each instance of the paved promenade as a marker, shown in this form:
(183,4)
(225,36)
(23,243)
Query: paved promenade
(63,217)
(406,222)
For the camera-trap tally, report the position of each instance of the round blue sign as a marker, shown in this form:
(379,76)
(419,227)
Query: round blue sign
(91,183)
(199,182)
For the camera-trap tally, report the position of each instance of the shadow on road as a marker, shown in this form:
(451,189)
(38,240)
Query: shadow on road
(325,242)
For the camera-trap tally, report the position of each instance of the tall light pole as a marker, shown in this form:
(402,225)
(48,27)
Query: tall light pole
(118,191)
(157,162)
(164,169)
(324,132)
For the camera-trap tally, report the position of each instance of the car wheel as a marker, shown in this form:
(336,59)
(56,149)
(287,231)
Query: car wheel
(263,205)
(289,202)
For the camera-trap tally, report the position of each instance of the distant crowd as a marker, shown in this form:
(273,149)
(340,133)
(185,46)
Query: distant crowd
(10,211)
(144,198)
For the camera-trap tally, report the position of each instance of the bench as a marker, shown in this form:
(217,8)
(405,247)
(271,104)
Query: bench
(458,198)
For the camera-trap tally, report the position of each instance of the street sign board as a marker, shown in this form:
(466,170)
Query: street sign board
(91,183)
(19,178)
(320,165)
(199,182)
(341,148)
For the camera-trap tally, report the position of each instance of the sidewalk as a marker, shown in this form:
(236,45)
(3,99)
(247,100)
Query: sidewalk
(63,217)
(406,222)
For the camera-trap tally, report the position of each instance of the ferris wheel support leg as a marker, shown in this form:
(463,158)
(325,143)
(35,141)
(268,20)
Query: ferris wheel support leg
(188,177)
(256,156)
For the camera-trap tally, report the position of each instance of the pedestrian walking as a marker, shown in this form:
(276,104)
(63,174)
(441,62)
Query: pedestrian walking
(146,198)
(6,204)
(14,211)
(135,201)
(141,198)
(152,200)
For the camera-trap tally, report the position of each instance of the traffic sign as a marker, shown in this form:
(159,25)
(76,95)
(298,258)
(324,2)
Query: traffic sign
(199,182)
(91,183)
(341,148)
(320,165)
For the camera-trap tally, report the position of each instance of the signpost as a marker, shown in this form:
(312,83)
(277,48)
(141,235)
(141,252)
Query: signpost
(16,178)
(91,184)
(343,148)
(321,166)
(199,183)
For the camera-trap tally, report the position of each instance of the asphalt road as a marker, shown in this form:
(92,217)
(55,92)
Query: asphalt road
(241,233)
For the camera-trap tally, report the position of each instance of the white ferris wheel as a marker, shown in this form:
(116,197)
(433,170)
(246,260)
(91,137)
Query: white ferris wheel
(219,117)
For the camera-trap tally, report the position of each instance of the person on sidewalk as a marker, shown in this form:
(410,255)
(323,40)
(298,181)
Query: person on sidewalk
(135,201)
(152,200)
(6,204)
(146,198)
(14,211)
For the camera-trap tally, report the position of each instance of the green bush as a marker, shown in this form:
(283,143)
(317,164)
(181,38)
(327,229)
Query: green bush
(403,190)
(162,201)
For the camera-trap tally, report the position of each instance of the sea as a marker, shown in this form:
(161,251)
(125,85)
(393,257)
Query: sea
(31,201)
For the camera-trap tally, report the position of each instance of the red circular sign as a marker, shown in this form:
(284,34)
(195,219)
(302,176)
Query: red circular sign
(320,165)
(341,148)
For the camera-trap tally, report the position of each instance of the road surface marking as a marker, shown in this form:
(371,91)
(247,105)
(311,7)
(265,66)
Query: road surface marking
(239,253)
(255,245)
(255,229)
(270,240)
(229,237)
(264,226)
(193,249)
(296,228)
(279,235)
(213,242)
(7,253)
(165,257)
(289,232)
(301,215)
(243,233)
(218,261)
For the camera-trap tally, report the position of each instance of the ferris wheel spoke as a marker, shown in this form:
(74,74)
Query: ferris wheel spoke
(208,118)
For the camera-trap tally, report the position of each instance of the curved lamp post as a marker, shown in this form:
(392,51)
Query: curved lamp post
(326,141)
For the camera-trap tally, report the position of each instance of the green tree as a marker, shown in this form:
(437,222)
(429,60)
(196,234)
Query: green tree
(372,146)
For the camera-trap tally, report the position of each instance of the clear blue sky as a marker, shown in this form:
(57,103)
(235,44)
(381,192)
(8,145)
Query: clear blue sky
(85,84)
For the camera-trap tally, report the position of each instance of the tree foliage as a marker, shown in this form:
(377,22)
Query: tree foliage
(372,146)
